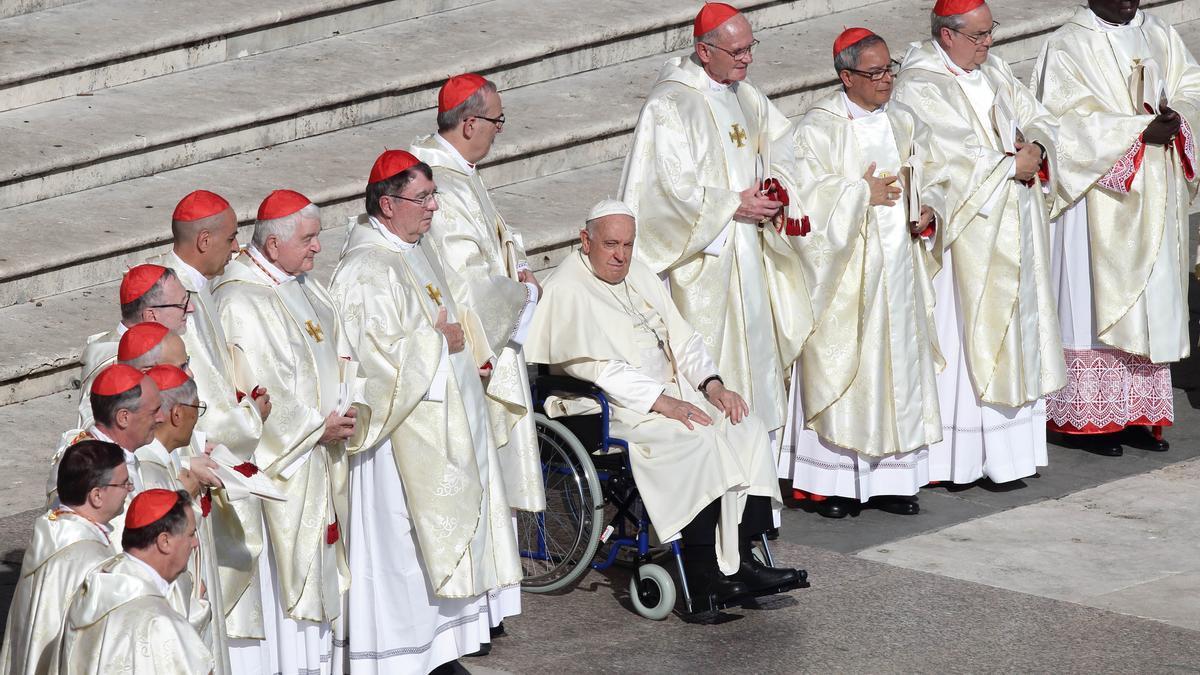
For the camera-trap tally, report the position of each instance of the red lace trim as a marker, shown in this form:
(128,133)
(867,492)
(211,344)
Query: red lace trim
(1108,390)
(1185,144)
(1120,177)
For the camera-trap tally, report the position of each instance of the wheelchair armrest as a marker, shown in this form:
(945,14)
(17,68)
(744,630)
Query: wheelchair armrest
(565,384)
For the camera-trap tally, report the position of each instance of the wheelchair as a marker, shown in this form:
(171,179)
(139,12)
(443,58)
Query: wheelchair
(592,501)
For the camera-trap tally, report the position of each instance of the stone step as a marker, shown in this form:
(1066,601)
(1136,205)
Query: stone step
(87,46)
(162,123)
(546,207)
(555,126)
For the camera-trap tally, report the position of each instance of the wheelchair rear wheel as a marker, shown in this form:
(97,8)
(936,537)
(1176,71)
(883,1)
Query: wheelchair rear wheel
(557,545)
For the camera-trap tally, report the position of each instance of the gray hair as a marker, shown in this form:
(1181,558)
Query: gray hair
(131,312)
(847,59)
(954,22)
(472,107)
(284,227)
(149,359)
(184,393)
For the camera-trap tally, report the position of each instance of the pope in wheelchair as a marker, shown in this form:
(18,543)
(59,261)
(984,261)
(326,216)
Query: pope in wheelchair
(701,460)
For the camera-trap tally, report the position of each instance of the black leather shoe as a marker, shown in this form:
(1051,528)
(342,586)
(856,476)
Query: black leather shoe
(1103,445)
(758,576)
(450,668)
(1146,439)
(484,650)
(833,507)
(497,630)
(901,506)
(722,587)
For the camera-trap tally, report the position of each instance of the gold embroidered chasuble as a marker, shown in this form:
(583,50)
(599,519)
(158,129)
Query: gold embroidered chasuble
(696,146)
(482,260)
(1138,223)
(996,228)
(440,436)
(160,468)
(291,334)
(119,622)
(609,335)
(868,369)
(64,547)
(237,525)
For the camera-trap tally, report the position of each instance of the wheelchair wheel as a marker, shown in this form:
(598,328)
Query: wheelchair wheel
(557,545)
(652,591)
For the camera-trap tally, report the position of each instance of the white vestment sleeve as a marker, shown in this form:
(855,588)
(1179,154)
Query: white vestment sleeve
(999,193)
(526,317)
(693,361)
(437,387)
(624,385)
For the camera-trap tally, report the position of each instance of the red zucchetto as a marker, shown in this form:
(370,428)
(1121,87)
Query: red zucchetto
(849,38)
(167,376)
(116,379)
(140,339)
(138,280)
(711,15)
(148,506)
(458,89)
(281,203)
(390,163)
(199,204)
(955,7)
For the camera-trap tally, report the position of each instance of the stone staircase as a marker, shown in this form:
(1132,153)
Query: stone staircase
(111,110)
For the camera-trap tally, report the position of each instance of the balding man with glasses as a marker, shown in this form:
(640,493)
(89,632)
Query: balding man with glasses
(997,324)
(709,178)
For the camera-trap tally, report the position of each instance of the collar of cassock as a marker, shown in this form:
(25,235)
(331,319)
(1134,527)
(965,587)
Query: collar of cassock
(270,269)
(198,280)
(391,238)
(163,586)
(1107,27)
(951,65)
(856,111)
(467,167)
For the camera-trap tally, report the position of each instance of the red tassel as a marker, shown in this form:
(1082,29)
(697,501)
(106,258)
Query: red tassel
(332,534)
(247,469)
(206,503)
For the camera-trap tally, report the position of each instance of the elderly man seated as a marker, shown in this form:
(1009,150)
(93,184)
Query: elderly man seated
(702,461)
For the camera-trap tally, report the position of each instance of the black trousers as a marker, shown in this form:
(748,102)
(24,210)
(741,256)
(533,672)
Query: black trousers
(756,519)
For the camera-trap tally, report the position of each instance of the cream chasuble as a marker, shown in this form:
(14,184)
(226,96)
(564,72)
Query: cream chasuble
(482,260)
(294,344)
(867,372)
(131,462)
(237,525)
(119,622)
(440,435)
(100,351)
(696,146)
(1134,197)
(995,228)
(65,546)
(160,469)
(610,335)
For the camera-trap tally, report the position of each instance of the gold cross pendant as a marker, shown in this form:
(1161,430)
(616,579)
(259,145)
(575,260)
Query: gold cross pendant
(314,330)
(738,135)
(434,294)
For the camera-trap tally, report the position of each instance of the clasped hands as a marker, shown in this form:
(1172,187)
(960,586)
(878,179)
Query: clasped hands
(728,402)
(756,206)
(1162,128)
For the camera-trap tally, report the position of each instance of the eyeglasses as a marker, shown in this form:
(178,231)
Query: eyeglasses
(420,201)
(498,121)
(878,75)
(737,54)
(976,38)
(200,407)
(128,484)
(183,307)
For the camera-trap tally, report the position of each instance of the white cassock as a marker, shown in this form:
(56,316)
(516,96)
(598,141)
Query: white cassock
(238,528)
(294,345)
(997,324)
(120,622)
(864,395)
(430,531)
(99,352)
(1121,246)
(631,341)
(483,258)
(696,146)
(159,468)
(65,546)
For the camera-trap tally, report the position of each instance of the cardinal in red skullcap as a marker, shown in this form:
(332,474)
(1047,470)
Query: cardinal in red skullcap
(292,339)
(855,144)
(143,596)
(397,286)
(501,289)
(994,298)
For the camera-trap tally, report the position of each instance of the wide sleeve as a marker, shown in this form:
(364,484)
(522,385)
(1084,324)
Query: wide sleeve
(398,348)
(623,384)
(258,323)
(678,214)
